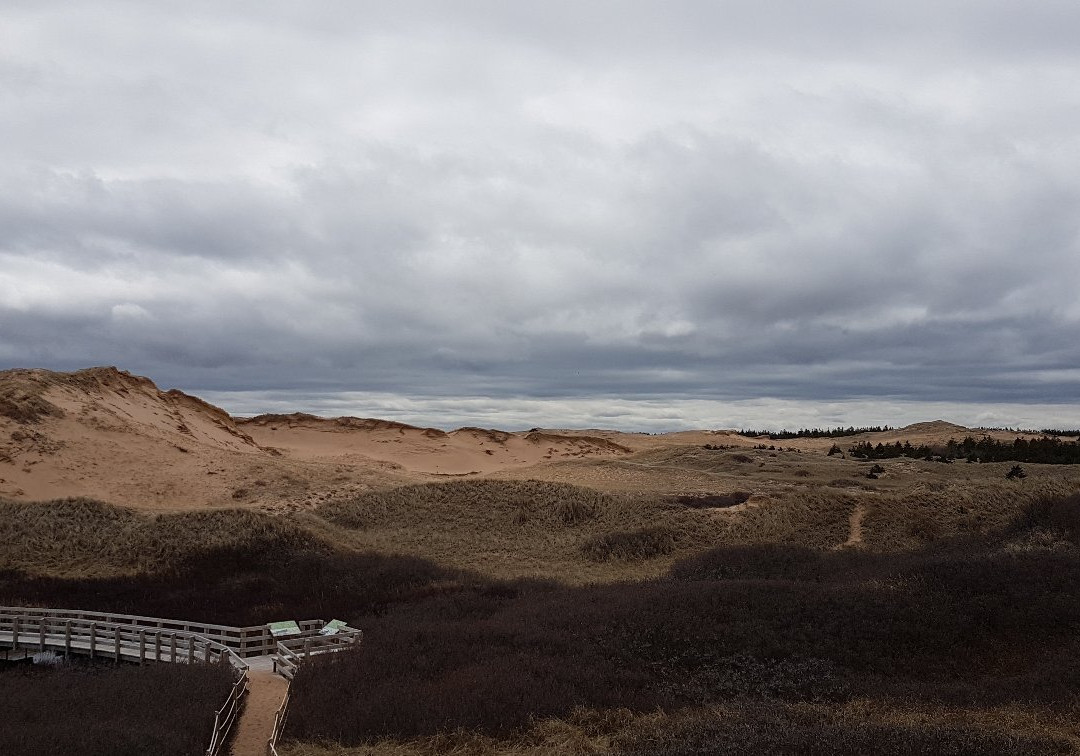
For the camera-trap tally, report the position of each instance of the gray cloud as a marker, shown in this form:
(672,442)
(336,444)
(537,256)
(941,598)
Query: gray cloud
(679,202)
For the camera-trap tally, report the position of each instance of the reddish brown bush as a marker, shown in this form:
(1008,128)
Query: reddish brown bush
(160,709)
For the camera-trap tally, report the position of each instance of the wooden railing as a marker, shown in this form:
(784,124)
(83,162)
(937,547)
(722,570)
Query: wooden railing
(226,716)
(255,640)
(41,631)
(292,651)
(279,725)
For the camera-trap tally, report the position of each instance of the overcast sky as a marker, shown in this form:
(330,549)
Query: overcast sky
(633,214)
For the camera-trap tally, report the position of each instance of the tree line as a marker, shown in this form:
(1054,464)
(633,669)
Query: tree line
(814,432)
(1047,450)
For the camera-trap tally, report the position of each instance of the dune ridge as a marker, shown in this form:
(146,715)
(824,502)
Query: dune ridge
(109,434)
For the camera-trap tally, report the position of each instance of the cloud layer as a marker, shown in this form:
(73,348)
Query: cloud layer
(679,201)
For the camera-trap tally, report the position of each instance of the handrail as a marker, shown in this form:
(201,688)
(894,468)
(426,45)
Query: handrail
(279,724)
(292,651)
(222,725)
(253,640)
(123,640)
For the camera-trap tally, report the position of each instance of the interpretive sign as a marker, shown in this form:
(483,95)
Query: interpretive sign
(332,627)
(283,629)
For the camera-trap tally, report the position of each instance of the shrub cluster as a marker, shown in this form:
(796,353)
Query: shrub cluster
(1061,514)
(90,710)
(635,545)
(962,624)
(714,501)
(773,727)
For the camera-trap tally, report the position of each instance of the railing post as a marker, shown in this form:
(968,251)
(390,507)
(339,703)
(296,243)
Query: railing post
(67,638)
(93,638)
(15,633)
(206,653)
(191,649)
(116,642)
(172,647)
(142,646)
(157,645)
(41,635)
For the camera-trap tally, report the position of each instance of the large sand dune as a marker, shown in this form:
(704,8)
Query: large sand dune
(112,435)
(108,434)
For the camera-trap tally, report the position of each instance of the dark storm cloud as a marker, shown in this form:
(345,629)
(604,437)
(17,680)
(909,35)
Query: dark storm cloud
(674,201)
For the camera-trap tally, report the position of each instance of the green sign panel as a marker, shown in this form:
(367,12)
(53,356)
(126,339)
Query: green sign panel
(283,629)
(332,627)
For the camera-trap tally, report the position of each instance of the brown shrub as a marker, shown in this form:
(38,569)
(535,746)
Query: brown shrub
(773,727)
(161,709)
(962,626)
(635,545)
(714,501)
(1059,513)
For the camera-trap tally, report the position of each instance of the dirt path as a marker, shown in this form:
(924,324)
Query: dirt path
(265,691)
(855,527)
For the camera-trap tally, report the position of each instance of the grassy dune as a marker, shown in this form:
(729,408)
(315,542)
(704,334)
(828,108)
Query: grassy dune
(87,538)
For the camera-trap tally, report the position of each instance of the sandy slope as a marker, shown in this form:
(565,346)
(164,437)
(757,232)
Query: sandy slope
(421,450)
(111,435)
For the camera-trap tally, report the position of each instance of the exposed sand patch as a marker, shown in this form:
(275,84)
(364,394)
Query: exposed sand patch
(430,451)
(855,534)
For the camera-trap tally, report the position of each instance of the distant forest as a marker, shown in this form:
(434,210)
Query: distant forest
(853,431)
(814,432)
(1048,450)
(1033,432)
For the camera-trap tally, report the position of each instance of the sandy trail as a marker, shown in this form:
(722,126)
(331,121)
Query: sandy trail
(256,725)
(855,527)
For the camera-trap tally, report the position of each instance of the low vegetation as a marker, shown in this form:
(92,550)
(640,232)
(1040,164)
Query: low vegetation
(94,710)
(523,529)
(23,403)
(83,537)
(980,626)
(718,500)
(737,614)
(634,545)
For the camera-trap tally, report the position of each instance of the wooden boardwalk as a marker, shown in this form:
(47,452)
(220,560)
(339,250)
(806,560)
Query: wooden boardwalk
(254,711)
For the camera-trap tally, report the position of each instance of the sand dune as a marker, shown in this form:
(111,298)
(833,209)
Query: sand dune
(421,450)
(108,434)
